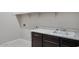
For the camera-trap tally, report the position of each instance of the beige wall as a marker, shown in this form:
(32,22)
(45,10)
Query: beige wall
(68,20)
(9,27)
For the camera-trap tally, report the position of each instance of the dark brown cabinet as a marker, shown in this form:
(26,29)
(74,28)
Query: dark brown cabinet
(50,41)
(44,40)
(36,39)
(49,44)
(69,42)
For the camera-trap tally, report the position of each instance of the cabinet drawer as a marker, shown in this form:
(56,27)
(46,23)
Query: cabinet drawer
(36,35)
(51,38)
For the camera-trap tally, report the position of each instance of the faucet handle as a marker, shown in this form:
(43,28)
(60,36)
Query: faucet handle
(57,29)
(36,26)
(62,29)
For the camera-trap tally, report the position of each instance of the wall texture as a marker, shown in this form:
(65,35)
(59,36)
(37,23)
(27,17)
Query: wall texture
(9,27)
(68,20)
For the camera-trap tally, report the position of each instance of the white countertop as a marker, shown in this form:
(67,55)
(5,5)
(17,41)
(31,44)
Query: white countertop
(50,32)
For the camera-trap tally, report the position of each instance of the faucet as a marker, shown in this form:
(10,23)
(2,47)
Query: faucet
(60,29)
(36,26)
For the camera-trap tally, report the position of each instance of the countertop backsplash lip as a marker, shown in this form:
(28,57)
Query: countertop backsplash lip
(51,28)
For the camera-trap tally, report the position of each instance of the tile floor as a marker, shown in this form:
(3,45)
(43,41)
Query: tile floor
(17,43)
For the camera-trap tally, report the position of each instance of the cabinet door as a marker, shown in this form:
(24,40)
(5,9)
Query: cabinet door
(47,43)
(36,39)
(69,42)
(50,41)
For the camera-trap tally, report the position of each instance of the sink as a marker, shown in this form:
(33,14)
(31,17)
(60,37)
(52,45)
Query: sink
(64,33)
(71,34)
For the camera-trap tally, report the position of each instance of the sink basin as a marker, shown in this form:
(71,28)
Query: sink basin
(71,33)
(64,33)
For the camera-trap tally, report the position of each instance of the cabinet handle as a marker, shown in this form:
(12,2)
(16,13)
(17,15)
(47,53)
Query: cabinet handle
(50,42)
